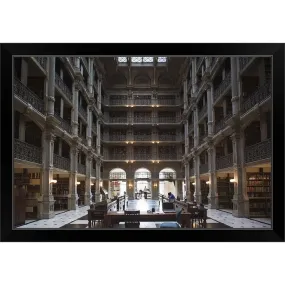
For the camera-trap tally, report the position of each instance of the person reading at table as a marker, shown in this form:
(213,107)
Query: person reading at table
(171,197)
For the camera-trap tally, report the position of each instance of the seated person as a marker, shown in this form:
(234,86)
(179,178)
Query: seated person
(171,197)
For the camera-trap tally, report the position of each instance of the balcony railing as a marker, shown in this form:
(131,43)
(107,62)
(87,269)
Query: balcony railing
(24,93)
(27,152)
(142,137)
(117,138)
(223,86)
(220,125)
(224,161)
(170,102)
(116,156)
(243,61)
(167,137)
(142,156)
(117,120)
(171,120)
(81,168)
(202,112)
(261,94)
(63,87)
(64,124)
(117,102)
(42,61)
(204,168)
(82,112)
(258,151)
(93,172)
(83,139)
(142,102)
(61,162)
(167,156)
(142,120)
(202,136)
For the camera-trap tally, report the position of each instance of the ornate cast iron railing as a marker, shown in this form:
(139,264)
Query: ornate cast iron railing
(118,120)
(42,61)
(258,151)
(142,137)
(64,124)
(27,152)
(261,94)
(63,87)
(142,156)
(224,161)
(94,128)
(223,86)
(167,137)
(243,61)
(61,162)
(117,102)
(220,125)
(167,156)
(81,168)
(24,93)
(117,138)
(82,112)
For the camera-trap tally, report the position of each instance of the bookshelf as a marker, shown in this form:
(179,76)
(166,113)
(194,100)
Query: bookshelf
(225,192)
(60,191)
(259,194)
(81,193)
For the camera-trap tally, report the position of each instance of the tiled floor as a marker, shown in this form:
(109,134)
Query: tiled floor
(77,219)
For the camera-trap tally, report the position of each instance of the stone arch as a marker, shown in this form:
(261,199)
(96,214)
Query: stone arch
(118,173)
(167,177)
(142,172)
(142,79)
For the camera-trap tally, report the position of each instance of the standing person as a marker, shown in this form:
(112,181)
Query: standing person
(171,197)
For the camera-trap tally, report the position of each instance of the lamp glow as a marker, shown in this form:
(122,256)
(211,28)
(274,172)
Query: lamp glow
(232,180)
(53,181)
(193,183)
(207,182)
(77,183)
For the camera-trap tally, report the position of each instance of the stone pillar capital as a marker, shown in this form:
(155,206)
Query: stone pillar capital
(77,85)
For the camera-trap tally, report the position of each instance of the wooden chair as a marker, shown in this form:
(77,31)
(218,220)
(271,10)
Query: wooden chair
(97,215)
(132,220)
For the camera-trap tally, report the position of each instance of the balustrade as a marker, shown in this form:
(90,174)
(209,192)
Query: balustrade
(63,124)
(145,137)
(166,137)
(63,87)
(81,168)
(258,151)
(224,161)
(42,61)
(25,94)
(222,87)
(27,152)
(117,137)
(243,61)
(61,162)
(82,112)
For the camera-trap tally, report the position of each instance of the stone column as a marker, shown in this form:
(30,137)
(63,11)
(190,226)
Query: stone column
(196,127)
(98,197)
(197,194)
(186,134)
(91,77)
(88,194)
(130,189)
(89,126)
(235,85)
(46,200)
(185,99)
(73,195)
(98,137)
(213,194)
(22,128)
(194,81)
(51,83)
(210,109)
(77,62)
(240,199)
(61,107)
(187,181)
(75,109)
(99,93)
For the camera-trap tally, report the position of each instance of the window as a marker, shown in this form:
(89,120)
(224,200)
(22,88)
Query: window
(136,59)
(122,59)
(147,59)
(161,59)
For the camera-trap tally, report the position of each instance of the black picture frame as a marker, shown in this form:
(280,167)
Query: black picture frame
(9,50)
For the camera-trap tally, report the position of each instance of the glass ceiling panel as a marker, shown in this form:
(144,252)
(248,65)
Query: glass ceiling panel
(136,59)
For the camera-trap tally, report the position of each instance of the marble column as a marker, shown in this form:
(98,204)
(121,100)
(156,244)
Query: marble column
(197,194)
(213,201)
(89,126)
(99,93)
(194,77)
(88,194)
(91,77)
(187,181)
(196,127)
(98,197)
(240,199)
(185,99)
(22,128)
(73,196)
(51,84)
(235,85)
(186,134)
(46,200)
(61,107)
(98,137)
(75,109)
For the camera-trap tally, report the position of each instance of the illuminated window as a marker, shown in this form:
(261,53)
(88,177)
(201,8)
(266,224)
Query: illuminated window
(161,59)
(122,59)
(136,59)
(147,59)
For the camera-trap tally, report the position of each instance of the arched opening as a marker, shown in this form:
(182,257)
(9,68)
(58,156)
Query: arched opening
(167,183)
(117,182)
(143,184)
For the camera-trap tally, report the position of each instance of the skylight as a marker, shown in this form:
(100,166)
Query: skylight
(142,60)
(161,59)
(122,59)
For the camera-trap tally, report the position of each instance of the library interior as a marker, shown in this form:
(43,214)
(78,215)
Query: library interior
(142,142)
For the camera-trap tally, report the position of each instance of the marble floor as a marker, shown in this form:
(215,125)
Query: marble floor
(77,219)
